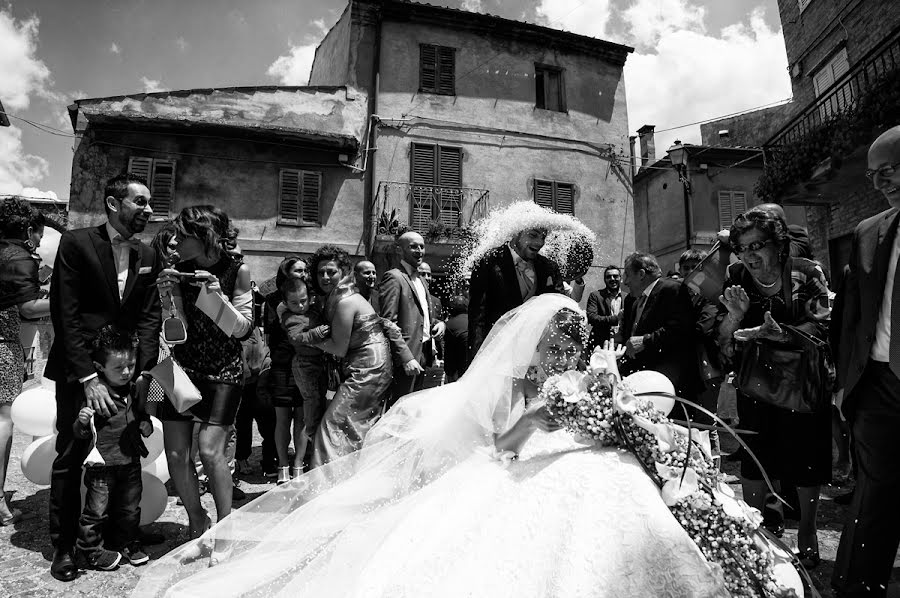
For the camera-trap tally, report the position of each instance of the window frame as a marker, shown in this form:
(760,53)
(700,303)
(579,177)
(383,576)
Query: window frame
(540,71)
(803,4)
(554,194)
(300,220)
(444,70)
(437,177)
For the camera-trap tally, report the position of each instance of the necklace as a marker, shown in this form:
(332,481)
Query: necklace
(764,285)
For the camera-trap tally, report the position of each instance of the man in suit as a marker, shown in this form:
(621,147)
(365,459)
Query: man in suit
(658,327)
(868,358)
(366,276)
(604,307)
(102,275)
(504,278)
(403,299)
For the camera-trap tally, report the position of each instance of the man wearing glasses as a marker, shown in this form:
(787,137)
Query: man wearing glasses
(868,358)
(103,275)
(604,307)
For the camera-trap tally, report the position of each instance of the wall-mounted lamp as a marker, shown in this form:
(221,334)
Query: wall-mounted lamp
(678,155)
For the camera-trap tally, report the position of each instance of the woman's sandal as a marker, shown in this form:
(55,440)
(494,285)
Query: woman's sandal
(15,515)
(809,559)
(218,556)
(200,547)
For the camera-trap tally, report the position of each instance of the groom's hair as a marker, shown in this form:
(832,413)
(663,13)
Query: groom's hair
(118,186)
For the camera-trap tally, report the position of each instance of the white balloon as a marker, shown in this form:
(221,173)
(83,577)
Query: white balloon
(37,460)
(34,411)
(652,386)
(154,443)
(153,498)
(159,469)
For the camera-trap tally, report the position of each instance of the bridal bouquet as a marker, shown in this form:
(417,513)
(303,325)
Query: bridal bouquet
(596,407)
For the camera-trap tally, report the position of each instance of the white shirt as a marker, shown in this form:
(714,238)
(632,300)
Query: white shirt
(422,294)
(524,268)
(881,347)
(121,257)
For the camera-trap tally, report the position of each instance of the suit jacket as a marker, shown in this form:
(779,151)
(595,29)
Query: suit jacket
(494,290)
(667,326)
(399,303)
(600,315)
(84,297)
(863,287)
(436,314)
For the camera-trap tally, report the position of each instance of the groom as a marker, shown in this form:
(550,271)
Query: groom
(504,278)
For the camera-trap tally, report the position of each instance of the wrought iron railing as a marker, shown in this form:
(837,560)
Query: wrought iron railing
(844,94)
(427,209)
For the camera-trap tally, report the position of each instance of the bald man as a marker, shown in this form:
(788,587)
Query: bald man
(403,299)
(868,358)
(365,277)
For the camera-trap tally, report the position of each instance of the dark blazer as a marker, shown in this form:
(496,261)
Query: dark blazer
(600,315)
(667,326)
(84,297)
(863,287)
(494,290)
(399,303)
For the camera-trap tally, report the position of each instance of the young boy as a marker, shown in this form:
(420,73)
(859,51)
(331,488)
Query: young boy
(113,470)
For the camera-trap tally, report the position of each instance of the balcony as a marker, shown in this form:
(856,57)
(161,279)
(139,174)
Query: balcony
(435,212)
(844,96)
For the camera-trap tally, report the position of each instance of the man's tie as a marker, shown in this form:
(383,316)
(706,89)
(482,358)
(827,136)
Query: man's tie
(132,243)
(527,276)
(639,311)
(894,347)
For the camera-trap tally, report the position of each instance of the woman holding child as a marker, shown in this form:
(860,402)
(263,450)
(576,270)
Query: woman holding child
(211,357)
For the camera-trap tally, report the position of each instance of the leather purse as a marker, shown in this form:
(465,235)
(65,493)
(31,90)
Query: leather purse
(797,375)
(174,332)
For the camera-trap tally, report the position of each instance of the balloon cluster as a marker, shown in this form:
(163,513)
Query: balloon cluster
(34,413)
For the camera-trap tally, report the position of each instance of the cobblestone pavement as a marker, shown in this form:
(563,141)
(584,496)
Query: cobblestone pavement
(25,548)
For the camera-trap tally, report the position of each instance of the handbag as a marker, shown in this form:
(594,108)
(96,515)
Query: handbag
(174,332)
(796,375)
(176,384)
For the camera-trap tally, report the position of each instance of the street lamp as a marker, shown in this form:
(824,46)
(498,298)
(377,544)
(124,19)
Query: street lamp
(678,155)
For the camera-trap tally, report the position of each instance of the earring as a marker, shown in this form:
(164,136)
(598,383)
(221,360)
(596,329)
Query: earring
(30,245)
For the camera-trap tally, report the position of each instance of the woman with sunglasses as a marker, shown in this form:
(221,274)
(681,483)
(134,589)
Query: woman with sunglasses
(791,447)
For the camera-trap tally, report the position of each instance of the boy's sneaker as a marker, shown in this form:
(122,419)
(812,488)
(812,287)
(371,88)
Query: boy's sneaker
(135,555)
(104,560)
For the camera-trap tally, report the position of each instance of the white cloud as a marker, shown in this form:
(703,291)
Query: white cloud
(577,16)
(152,85)
(114,48)
(693,77)
(23,72)
(294,67)
(182,44)
(650,20)
(472,5)
(34,192)
(19,170)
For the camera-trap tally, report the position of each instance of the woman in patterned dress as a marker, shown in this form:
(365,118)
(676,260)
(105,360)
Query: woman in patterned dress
(210,357)
(21,229)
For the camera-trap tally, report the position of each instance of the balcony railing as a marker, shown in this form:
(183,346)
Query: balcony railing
(844,94)
(427,208)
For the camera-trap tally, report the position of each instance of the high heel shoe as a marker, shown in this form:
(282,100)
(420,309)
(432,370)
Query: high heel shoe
(200,547)
(220,555)
(810,559)
(8,515)
(284,476)
(296,472)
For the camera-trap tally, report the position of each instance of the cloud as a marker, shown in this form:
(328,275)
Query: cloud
(34,192)
(23,72)
(650,20)
(694,76)
(152,85)
(182,44)
(576,16)
(114,48)
(472,5)
(18,169)
(294,67)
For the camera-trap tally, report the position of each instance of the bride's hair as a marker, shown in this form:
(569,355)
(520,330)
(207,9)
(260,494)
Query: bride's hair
(571,324)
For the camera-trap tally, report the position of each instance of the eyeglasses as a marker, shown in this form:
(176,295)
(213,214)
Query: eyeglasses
(754,246)
(884,171)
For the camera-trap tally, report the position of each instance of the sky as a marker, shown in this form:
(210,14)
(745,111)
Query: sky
(694,60)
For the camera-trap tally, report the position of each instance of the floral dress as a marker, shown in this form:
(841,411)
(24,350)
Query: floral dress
(18,284)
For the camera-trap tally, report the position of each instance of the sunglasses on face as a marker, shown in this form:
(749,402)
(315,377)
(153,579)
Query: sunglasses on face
(883,172)
(754,246)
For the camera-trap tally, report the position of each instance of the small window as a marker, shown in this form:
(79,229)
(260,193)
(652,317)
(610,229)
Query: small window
(299,197)
(731,205)
(549,88)
(437,69)
(436,177)
(160,175)
(832,72)
(556,196)
(803,4)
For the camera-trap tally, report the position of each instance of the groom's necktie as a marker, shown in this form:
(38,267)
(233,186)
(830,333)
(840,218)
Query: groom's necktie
(526,278)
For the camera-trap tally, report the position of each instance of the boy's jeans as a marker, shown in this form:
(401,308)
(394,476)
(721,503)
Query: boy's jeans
(112,508)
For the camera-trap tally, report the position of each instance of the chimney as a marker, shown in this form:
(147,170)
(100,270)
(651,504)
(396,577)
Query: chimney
(632,165)
(648,147)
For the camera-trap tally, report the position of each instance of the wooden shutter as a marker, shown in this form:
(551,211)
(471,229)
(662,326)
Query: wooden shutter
(428,68)
(142,167)
(162,188)
(565,198)
(543,193)
(289,196)
(446,70)
(449,198)
(423,178)
(553,99)
(310,196)
(739,202)
(731,205)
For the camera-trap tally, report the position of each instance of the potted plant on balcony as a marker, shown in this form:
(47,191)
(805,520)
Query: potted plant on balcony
(439,232)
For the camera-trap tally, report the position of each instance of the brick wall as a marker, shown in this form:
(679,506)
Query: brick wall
(752,129)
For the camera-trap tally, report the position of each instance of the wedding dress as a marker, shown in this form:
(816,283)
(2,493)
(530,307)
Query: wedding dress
(429,508)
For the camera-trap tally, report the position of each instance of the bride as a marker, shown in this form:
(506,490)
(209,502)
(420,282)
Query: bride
(463,490)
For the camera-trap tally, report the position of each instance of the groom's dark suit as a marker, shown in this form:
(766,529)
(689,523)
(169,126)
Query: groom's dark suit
(84,297)
(872,404)
(494,290)
(667,327)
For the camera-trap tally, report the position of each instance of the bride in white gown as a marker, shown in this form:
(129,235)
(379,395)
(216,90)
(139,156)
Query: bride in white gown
(436,504)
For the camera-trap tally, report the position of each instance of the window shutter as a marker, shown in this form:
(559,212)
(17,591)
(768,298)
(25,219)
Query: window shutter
(427,67)
(446,69)
(289,195)
(726,212)
(311,196)
(142,167)
(738,203)
(162,188)
(565,198)
(539,86)
(449,197)
(424,167)
(450,167)
(551,86)
(543,193)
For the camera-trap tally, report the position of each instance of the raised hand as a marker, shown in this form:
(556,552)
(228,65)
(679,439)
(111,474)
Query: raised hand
(736,301)
(769,329)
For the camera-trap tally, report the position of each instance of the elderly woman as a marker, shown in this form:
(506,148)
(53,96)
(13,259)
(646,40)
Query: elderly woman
(765,289)
(21,229)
